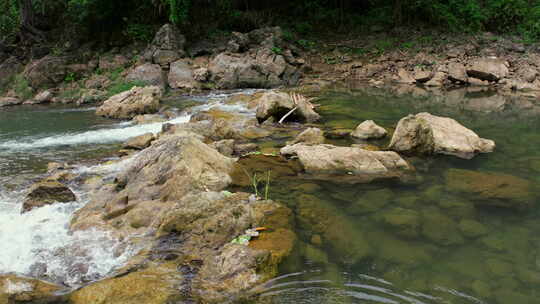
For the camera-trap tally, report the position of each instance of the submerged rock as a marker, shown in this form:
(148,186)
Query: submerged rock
(46,193)
(356,164)
(492,189)
(430,134)
(310,136)
(369,130)
(131,103)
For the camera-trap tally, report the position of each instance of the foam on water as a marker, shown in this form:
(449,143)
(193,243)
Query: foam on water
(102,136)
(41,239)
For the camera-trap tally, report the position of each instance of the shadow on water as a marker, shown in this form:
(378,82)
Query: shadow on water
(435,241)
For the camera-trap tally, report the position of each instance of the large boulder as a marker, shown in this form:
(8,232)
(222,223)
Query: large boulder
(168,46)
(8,69)
(181,75)
(276,104)
(492,189)
(430,134)
(457,72)
(258,59)
(131,103)
(490,69)
(46,72)
(355,164)
(139,142)
(46,193)
(147,73)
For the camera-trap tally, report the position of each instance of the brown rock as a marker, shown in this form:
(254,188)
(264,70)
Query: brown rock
(369,130)
(46,193)
(9,101)
(310,136)
(490,69)
(140,142)
(147,73)
(132,103)
(181,75)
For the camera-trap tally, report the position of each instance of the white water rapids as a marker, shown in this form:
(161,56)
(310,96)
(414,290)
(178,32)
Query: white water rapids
(39,243)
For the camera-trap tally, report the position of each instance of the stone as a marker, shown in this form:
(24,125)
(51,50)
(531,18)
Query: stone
(528,73)
(421,75)
(277,104)
(405,222)
(149,74)
(9,101)
(139,142)
(43,97)
(440,229)
(369,130)
(128,104)
(405,77)
(437,80)
(371,201)
(472,228)
(356,164)
(97,82)
(116,62)
(48,71)
(429,134)
(181,75)
(488,69)
(46,193)
(310,136)
(492,189)
(148,119)
(167,46)
(457,72)
(201,74)
(338,133)
(225,147)
(8,69)
(18,289)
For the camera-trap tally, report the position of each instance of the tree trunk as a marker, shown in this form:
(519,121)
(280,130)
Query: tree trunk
(28,31)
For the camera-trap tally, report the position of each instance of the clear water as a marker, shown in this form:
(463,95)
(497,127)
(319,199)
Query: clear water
(436,263)
(342,256)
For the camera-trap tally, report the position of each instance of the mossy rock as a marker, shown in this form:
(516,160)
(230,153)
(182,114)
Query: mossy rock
(491,189)
(481,289)
(457,208)
(16,289)
(498,268)
(405,222)
(279,243)
(372,201)
(440,229)
(472,228)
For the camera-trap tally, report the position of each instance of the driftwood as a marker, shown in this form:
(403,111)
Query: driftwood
(301,103)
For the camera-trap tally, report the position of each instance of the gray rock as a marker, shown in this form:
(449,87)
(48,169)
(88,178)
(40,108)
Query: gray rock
(310,136)
(277,104)
(489,69)
(457,72)
(131,103)
(147,73)
(9,101)
(369,130)
(181,75)
(139,142)
(48,71)
(430,134)
(357,164)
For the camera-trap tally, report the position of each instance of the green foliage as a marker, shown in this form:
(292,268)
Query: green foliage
(178,10)
(257,180)
(70,77)
(307,44)
(139,32)
(9,19)
(21,87)
(121,86)
(277,50)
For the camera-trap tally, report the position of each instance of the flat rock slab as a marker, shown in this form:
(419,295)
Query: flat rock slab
(429,134)
(357,164)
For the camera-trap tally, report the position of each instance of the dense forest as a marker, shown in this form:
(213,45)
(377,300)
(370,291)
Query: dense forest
(35,21)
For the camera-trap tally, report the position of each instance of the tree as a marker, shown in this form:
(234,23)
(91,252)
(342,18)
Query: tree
(27,22)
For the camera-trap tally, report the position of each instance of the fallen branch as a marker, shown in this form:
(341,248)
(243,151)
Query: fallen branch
(287,115)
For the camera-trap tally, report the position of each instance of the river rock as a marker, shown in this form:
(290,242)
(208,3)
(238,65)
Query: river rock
(147,73)
(148,119)
(492,189)
(358,164)
(43,97)
(406,222)
(46,193)
(16,289)
(116,62)
(9,101)
(489,69)
(181,75)
(131,103)
(8,69)
(430,134)
(457,72)
(139,142)
(167,46)
(277,104)
(310,136)
(369,130)
(404,76)
(48,71)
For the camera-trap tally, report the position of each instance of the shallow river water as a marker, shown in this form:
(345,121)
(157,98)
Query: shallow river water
(418,243)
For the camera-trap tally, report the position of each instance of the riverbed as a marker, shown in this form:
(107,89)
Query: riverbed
(436,258)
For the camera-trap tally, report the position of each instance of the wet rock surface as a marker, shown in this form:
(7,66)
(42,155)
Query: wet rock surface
(131,103)
(369,130)
(47,192)
(16,289)
(429,134)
